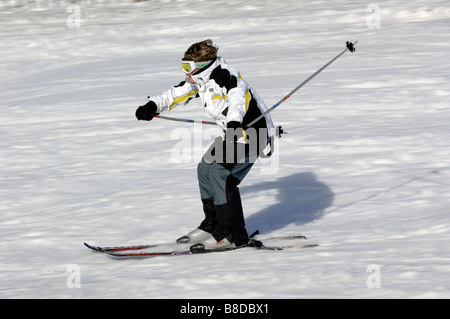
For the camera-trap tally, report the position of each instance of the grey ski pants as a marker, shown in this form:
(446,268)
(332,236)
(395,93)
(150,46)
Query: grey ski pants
(221,198)
(214,179)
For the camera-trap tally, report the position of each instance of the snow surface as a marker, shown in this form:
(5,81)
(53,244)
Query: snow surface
(364,169)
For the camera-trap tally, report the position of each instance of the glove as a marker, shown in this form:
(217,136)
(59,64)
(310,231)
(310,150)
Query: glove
(231,152)
(231,134)
(147,112)
(226,152)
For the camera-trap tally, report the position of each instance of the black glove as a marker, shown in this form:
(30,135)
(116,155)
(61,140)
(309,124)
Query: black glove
(147,112)
(232,132)
(227,152)
(232,150)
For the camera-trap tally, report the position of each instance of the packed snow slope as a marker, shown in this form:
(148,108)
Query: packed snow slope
(364,170)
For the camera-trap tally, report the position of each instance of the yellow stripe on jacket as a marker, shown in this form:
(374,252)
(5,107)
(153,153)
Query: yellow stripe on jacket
(182,99)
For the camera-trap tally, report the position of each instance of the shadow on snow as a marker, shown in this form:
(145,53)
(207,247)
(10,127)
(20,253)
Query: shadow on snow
(301,199)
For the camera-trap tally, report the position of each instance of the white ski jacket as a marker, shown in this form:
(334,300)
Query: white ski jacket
(224,94)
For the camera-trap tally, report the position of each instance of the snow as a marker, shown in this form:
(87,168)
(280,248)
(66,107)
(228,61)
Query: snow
(364,170)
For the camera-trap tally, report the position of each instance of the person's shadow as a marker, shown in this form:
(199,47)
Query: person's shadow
(301,199)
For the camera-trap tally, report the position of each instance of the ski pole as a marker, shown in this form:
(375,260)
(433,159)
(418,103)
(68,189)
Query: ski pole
(184,120)
(349,46)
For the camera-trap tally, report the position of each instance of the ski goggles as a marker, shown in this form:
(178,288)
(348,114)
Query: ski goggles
(190,66)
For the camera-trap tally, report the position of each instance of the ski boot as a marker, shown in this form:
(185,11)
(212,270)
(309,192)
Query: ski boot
(211,243)
(196,236)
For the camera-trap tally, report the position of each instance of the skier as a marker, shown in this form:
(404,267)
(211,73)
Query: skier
(232,103)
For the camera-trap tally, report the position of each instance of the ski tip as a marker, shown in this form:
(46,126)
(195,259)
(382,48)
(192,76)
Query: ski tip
(93,247)
(89,246)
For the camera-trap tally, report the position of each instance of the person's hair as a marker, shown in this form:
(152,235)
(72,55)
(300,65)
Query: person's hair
(202,51)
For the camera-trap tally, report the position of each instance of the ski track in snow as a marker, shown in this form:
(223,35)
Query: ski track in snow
(364,169)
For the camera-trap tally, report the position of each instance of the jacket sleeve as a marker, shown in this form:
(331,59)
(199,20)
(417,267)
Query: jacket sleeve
(238,97)
(235,90)
(180,94)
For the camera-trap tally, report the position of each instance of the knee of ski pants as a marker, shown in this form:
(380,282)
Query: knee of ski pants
(218,178)
(212,180)
(203,179)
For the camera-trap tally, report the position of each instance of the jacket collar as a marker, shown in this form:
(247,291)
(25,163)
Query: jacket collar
(204,74)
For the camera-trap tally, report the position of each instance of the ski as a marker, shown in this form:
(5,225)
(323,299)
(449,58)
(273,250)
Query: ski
(119,248)
(133,254)
(286,237)
(104,249)
(137,250)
